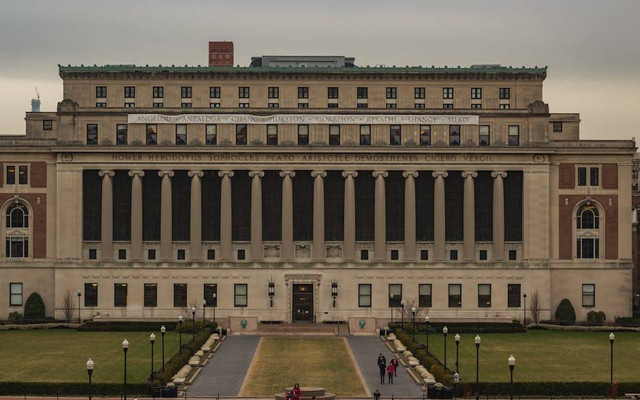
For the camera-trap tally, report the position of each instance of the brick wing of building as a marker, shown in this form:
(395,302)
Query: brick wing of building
(313,193)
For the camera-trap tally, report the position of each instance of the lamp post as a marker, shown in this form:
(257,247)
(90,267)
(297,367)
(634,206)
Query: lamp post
(445,330)
(334,292)
(457,338)
(413,321)
(79,295)
(90,372)
(525,311)
(512,365)
(163,330)
(272,292)
(402,306)
(152,338)
(204,312)
(426,320)
(180,330)
(477,340)
(215,303)
(193,321)
(125,348)
(611,339)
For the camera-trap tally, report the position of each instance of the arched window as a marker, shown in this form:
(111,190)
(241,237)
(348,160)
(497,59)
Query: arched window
(588,218)
(17,216)
(588,232)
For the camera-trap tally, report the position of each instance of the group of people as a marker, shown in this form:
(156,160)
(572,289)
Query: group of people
(294,394)
(390,370)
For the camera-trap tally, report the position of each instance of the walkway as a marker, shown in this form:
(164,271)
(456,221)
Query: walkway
(225,371)
(366,350)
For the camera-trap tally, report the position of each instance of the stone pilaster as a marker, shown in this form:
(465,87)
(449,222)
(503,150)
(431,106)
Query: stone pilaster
(318,249)
(226,247)
(469,215)
(195,234)
(256,215)
(286,247)
(439,219)
(349,244)
(498,214)
(136,215)
(106,235)
(410,215)
(166,238)
(380,225)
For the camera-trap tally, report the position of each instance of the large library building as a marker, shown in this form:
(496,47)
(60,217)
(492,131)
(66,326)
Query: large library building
(310,189)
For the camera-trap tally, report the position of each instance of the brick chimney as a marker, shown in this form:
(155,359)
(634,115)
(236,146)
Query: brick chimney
(221,54)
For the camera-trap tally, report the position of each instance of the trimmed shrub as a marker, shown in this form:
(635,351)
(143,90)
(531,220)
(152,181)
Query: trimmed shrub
(466,327)
(627,321)
(34,307)
(180,359)
(187,326)
(67,389)
(596,317)
(592,389)
(15,317)
(123,326)
(430,363)
(565,314)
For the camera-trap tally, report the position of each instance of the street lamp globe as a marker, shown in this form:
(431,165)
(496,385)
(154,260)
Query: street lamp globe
(204,303)
(445,330)
(478,340)
(152,337)
(512,361)
(611,337)
(193,309)
(402,302)
(90,365)
(125,344)
(427,319)
(457,337)
(163,329)
(413,310)
(180,318)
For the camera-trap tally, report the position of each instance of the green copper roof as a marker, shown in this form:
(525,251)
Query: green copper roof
(474,69)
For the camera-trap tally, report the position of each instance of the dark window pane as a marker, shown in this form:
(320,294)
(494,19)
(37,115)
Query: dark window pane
(91,295)
(241,210)
(303,186)
(513,206)
(394,203)
(395,295)
(454,198)
(483,197)
(150,295)
(181,205)
(365,205)
(120,295)
(179,294)
(271,206)
(91,204)
(122,205)
(151,189)
(513,295)
(334,206)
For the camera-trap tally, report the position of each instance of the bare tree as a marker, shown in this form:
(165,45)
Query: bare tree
(67,306)
(535,307)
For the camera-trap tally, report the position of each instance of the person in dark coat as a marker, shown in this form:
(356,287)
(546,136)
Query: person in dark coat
(382,365)
(376,394)
(390,371)
(394,361)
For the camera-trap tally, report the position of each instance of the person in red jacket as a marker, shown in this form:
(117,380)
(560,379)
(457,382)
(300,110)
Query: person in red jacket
(394,361)
(390,371)
(296,392)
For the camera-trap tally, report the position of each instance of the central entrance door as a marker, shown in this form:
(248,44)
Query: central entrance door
(302,305)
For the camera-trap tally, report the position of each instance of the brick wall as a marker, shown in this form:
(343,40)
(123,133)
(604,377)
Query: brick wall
(38,174)
(1,174)
(38,245)
(609,176)
(567,204)
(567,176)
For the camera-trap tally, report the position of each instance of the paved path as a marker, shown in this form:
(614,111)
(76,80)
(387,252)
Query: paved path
(225,371)
(366,350)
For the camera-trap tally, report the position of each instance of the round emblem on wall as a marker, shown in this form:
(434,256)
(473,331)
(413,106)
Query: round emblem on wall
(243,323)
(362,323)
(538,158)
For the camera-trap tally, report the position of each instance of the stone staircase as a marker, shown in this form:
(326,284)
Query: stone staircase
(303,329)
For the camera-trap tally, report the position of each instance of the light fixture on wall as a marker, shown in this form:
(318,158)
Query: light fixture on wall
(334,292)
(272,291)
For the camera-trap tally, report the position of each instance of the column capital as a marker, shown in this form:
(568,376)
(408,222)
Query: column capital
(376,174)
(164,173)
(224,173)
(407,174)
(320,173)
(106,172)
(469,174)
(259,173)
(196,172)
(353,174)
(436,174)
(288,173)
(502,174)
(134,172)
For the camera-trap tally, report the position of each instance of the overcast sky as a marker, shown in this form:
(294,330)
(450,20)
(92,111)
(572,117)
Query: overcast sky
(591,47)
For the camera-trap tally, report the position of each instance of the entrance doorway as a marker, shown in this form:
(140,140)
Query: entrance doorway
(302,304)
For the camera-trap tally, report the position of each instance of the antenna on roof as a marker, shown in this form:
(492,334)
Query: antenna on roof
(35,103)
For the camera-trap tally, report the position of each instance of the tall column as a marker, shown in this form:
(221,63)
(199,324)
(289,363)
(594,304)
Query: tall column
(469,215)
(166,239)
(380,225)
(226,247)
(410,215)
(256,215)
(107,214)
(439,220)
(136,215)
(286,246)
(498,214)
(349,244)
(318,249)
(195,234)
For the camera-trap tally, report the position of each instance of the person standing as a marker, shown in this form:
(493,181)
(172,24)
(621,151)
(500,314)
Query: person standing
(390,371)
(394,361)
(376,394)
(296,392)
(382,365)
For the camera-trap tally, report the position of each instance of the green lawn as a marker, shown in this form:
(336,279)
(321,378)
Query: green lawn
(543,356)
(60,355)
(283,361)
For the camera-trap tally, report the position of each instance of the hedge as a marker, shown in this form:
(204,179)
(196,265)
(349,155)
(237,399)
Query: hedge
(187,326)
(464,327)
(122,326)
(431,363)
(179,360)
(547,388)
(69,389)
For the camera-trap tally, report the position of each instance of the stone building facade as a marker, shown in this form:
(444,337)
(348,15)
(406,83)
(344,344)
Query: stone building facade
(321,194)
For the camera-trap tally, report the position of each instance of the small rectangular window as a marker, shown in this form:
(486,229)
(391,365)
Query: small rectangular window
(185,92)
(334,135)
(241,254)
(121,134)
(514,135)
(455,295)
(484,135)
(513,295)
(395,135)
(158,92)
(150,294)
(425,135)
(129,92)
(392,105)
(181,134)
(11,174)
(179,294)
(454,135)
(211,254)
(447,93)
(505,93)
(273,92)
(395,295)
(332,105)
(582,176)
(214,105)
(240,295)
(122,254)
(185,105)
(392,93)
(211,135)
(93,254)
(91,295)
(513,255)
(243,105)
(419,105)
(505,106)
(272,135)
(151,254)
(476,93)
(152,135)
(594,176)
(158,105)
(332,93)
(395,255)
(211,294)
(120,294)
(303,105)
(243,92)
(17,247)
(588,248)
(92,134)
(241,135)
(303,135)
(23,175)
(557,126)
(476,105)
(453,255)
(364,255)
(274,105)
(424,255)
(363,105)
(129,105)
(588,295)
(362,92)
(101,92)
(364,295)
(447,106)
(365,135)
(483,255)
(419,93)
(424,295)
(15,294)
(484,295)
(214,92)
(182,254)
(303,92)
(101,105)
(47,125)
